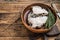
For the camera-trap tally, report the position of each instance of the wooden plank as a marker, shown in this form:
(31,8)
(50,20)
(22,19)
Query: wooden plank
(22,38)
(14,30)
(15,7)
(14,38)
(8,18)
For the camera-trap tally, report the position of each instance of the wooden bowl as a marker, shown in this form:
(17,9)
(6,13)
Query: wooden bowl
(24,17)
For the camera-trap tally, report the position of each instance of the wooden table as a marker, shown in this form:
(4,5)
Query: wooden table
(11,27)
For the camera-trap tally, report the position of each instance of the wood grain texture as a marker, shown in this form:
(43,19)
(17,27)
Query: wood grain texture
(11,27)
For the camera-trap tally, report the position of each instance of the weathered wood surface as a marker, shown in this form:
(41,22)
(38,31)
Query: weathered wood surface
(11,27)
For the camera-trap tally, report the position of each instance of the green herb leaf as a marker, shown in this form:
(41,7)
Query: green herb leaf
(51,19)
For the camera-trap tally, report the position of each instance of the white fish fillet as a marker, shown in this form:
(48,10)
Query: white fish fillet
(38,10)
(37,21)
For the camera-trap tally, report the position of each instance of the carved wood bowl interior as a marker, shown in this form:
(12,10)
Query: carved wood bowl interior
(24,17)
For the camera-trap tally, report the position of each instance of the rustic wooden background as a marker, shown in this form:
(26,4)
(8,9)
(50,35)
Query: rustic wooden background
(11,27)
